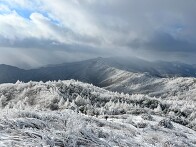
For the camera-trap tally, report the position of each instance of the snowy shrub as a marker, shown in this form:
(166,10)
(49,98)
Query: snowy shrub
(53,106)
(179,120)
(102,134)
(152,104)
(192,125)
(137,111)
(141,125)
(166,123)
(147,117)
(158,108)
(3,101)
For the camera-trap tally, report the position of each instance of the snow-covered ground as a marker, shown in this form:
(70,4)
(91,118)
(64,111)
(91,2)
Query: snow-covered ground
(72,113)
(67,128)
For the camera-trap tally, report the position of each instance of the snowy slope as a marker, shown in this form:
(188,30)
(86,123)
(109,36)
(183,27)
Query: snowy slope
(144,83)
(72,113)
(154,68)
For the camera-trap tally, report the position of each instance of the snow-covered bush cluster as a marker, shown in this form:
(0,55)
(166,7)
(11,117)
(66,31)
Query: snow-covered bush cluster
(91,100)
(72,113)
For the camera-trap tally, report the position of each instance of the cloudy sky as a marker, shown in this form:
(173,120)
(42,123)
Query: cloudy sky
(39,32)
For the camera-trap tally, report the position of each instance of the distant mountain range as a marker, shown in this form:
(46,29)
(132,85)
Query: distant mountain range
(96,71)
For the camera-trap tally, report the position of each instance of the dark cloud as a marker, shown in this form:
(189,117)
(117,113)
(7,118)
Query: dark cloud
(163,42)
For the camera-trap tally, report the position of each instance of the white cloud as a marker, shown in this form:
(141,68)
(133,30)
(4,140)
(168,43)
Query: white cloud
(13,26)
(4,8)
(27,4)
(71,15)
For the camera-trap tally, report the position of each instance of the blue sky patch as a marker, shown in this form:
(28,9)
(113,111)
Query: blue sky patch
(24,13)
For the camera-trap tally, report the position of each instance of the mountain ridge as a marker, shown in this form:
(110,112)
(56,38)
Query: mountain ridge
(70,70)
